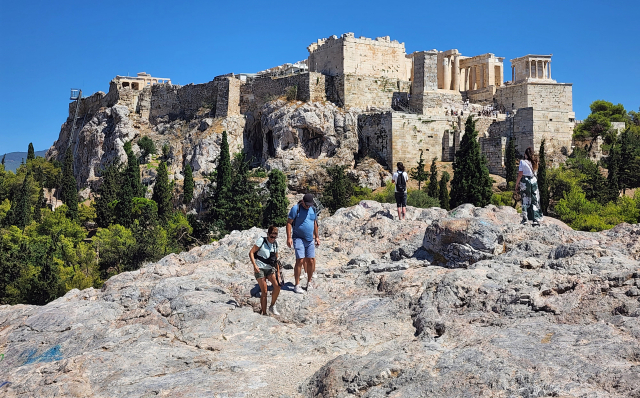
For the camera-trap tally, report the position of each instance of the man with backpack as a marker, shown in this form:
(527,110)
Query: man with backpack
(302,230)
(400,179)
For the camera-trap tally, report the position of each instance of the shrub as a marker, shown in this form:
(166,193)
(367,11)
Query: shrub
(502,199)
(386,196)
(419,198)
(146,146)
(292,93)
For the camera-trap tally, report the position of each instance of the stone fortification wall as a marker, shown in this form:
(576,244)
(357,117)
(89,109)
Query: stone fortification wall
(347,54)
(483,96)
(374,137)
(413,133)
(311,86)
(494,150)
(370,92)
(182,101)
(541,96)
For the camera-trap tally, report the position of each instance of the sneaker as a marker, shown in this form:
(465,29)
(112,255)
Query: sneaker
(536,224)
(298,289)
(309,286)
(273,310)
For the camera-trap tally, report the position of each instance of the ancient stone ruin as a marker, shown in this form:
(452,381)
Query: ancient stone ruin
(359,97)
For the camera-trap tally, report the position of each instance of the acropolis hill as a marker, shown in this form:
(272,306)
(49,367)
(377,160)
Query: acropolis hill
(350,98)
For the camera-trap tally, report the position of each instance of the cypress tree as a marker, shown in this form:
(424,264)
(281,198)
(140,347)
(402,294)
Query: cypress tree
(613,172)
(188,184)
(3,156)
(276,211)
(162,193)
(444,192)
(245,210)
(221,198)
(21,206)
(418,173)
(433,180)
(471,181)
(69,191)
(543,183)
(510,162)
(31,154)
(37,210)
(336,193)
(130,188)
(108,193)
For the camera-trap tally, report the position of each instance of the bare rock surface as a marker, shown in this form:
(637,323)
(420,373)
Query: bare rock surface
(514,311)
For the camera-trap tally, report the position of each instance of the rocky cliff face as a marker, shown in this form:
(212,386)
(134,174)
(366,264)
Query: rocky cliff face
(298,138)
(464,303)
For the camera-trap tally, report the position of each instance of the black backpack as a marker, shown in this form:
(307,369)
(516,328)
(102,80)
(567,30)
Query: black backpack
(401,184)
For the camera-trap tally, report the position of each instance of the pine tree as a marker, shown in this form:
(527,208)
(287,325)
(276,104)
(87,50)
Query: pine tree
(418,173)
(613,172)
(188,184)
(21,212)
(471,181)
(510,162)
(433,180)
(336,193)
(543,183)
(69,191)
(275,213)
(31,154)
(108,194)
(444,192)
(162,193)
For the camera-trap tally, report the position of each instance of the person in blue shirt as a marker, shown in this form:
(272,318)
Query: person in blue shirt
(302,231)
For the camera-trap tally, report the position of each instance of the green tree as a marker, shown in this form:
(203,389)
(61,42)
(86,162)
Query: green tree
(21,212)
(336,193)
(37,209)
(419,198)
(221,199)
(3,156)
(162,193)
(188,185)
(275,213)
(543,182)
(130,188)
(31,154)
(598,123)
(246,207)
(592,182)
(165,151)
(511,167)
(146,146)
(114,246)
(629,170)
(418,173)
(471,181)
(69,191)
(108,194)
(444,192)
(433,180)
(613,168)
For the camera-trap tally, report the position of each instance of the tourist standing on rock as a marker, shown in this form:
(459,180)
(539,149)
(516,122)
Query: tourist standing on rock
(264,255)
(527,184)
(400,179)
(302,230)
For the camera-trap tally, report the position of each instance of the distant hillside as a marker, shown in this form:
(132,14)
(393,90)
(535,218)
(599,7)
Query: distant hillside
(13,159)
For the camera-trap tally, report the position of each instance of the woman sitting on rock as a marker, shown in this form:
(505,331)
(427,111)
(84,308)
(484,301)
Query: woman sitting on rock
(528,186)
(264,255)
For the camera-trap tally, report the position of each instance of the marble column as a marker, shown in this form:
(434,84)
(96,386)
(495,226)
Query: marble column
(456,73)
(472,78)
(549,67)
(501,75)
(446,64)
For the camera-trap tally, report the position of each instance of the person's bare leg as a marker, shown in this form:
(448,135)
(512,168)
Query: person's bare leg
(276,289)
(399,213)
(263,296)
(311,268)
(298,270)
(404,213)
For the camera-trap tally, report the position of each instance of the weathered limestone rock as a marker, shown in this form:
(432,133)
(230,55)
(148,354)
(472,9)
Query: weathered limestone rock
(555,313)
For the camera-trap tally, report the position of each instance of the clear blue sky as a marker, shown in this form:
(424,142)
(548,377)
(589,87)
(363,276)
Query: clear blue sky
(48,47)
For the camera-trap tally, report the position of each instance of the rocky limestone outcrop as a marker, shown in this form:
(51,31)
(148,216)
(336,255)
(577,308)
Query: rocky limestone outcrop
(546,312)
(300,139)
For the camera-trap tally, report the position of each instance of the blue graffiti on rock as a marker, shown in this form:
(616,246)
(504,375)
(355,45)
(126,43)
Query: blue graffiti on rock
(52,354)
(4,383)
